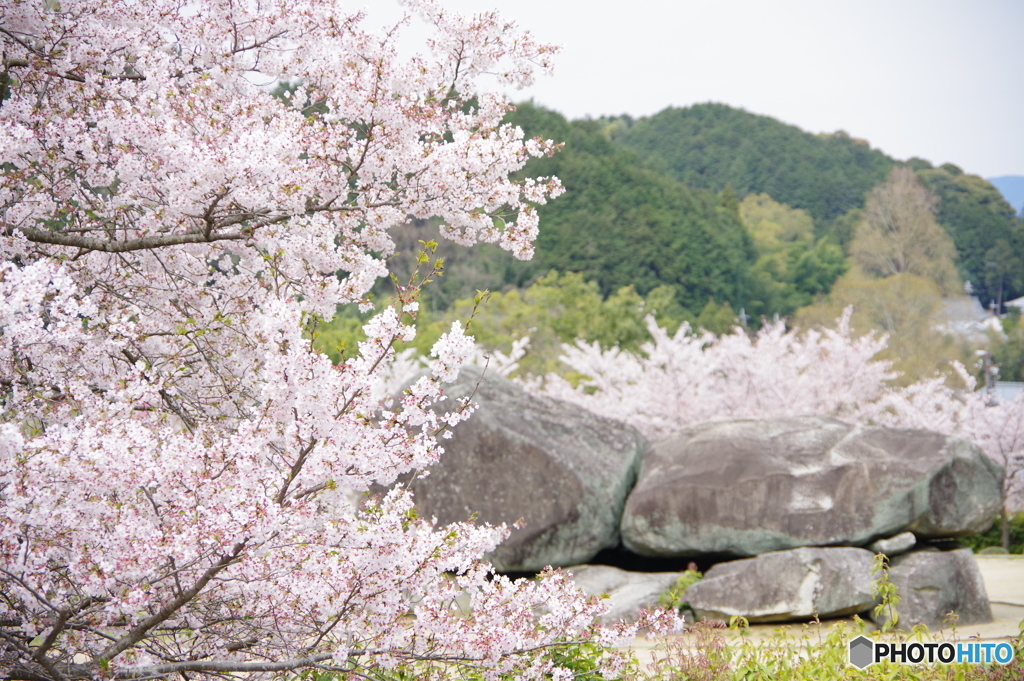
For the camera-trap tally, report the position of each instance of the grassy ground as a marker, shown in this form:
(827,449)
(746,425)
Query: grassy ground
(811,652)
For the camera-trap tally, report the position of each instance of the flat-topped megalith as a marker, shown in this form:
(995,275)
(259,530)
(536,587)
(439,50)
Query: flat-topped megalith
(746,487)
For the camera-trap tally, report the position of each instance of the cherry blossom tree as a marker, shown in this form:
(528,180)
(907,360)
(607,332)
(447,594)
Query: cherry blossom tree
(182,477)
(687,378)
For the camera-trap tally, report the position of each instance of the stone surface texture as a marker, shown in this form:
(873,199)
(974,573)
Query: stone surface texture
(934,583)
(628,592)
(563,470)
(786,585)
(741,488)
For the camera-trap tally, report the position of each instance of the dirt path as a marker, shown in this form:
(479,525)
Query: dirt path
(1004,582)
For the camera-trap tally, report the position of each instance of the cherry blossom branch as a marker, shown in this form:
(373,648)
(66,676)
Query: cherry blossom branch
(63,616)
(157,671)
(139,632)
(295,469)
(143,243)
(22,673)
(147,135)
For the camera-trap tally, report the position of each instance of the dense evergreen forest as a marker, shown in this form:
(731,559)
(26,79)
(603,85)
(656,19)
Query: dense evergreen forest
(622,224)
(714,146)
(695,214)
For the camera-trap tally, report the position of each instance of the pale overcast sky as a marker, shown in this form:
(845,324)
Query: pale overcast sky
(939,79)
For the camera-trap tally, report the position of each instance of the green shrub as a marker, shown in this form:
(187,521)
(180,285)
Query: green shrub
(706,652)
(675,597)
(994,537)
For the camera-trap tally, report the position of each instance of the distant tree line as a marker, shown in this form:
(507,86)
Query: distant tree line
(714,216)
(713,146)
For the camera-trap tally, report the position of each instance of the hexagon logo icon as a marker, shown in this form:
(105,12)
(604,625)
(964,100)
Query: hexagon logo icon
(862,652)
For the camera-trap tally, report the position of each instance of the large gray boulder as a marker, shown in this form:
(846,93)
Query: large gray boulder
(786,585)
(932,584)
(562,469)
(627,592)
(747,487)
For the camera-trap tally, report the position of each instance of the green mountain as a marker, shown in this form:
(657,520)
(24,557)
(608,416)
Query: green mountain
(658,201)
(988,235)
(621,223)
(712,146)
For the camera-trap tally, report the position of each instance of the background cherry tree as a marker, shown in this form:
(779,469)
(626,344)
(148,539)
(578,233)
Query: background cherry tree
(689,377)
(686,378)
(179,466)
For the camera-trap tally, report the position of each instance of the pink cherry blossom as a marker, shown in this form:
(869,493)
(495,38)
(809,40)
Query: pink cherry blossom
(185,483)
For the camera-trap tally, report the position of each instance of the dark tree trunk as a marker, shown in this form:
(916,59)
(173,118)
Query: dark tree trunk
(1006,529)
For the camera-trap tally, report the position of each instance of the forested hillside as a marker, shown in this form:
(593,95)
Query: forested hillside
(988,235)
(696,214)
(657,202)
(622,224)
(619,224)
(623,241)
(714,146)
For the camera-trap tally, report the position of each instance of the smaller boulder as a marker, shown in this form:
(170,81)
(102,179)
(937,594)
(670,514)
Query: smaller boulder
(993,551)
(894,546)
(932,584)
(628,592)
(786,585)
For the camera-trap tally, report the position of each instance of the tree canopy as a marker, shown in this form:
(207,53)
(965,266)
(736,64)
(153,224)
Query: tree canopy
(183,478)
(899,234)
(713,145)
(623,224)
(792,266)
(829,176)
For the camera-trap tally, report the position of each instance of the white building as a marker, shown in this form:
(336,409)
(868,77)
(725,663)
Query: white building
(964,316)
(1007,391)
